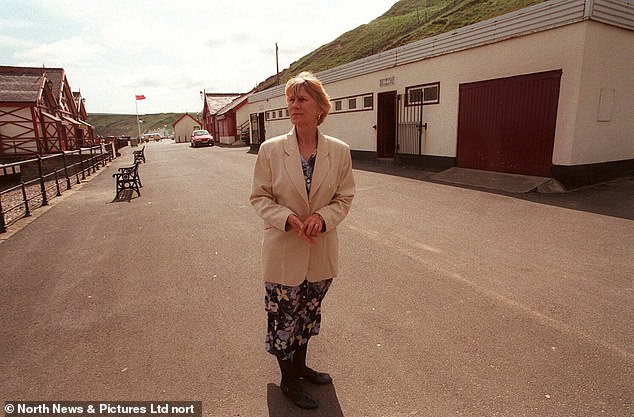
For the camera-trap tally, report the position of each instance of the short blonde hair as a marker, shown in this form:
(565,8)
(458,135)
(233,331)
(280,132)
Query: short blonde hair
(314,88)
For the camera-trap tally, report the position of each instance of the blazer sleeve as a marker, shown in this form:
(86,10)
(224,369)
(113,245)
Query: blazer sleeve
(262,198)
(339,206)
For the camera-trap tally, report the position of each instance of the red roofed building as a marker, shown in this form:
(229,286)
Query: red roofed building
(38,113)
(232,121)
(82,117)
(213,103)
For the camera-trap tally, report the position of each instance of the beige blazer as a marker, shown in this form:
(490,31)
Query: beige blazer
(279,189)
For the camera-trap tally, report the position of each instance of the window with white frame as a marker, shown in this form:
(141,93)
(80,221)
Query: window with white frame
(277,114)
(359,102)
(425,94)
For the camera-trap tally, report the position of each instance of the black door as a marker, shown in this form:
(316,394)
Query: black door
(386,125)
(261,127)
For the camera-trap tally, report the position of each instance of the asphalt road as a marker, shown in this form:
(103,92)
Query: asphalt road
(450,301)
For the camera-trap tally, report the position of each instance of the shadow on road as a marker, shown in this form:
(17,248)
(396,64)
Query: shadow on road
(280,406)
(125,195)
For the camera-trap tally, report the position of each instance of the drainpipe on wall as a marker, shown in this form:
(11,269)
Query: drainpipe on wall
(587,9)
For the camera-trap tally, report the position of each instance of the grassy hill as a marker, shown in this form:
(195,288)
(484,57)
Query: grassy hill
(405,22)
(125,124)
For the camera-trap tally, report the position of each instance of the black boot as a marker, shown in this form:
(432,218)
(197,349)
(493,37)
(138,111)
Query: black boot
(304,372)
(292,389)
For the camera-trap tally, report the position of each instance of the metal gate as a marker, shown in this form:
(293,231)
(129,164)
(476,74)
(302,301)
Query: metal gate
(410,128)
(257,128)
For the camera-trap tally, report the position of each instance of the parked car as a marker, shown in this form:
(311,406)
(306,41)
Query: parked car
(201,137)
(155,136)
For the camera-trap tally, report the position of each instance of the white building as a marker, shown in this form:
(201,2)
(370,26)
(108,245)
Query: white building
(547,90)
(184,126)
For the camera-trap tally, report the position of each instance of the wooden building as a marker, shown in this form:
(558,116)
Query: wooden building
(87,132)
(232,121)
(38,113)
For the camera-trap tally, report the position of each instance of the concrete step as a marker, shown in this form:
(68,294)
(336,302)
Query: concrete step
(511,183)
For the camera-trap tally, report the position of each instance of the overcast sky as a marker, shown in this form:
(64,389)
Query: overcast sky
(170,50)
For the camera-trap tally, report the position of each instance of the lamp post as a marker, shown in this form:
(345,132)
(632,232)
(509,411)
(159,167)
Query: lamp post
(203,94)
(277,64)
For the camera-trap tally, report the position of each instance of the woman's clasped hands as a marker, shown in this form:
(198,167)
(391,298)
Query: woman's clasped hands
(308,229)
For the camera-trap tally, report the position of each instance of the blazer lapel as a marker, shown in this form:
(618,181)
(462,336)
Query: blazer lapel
(293,164)
(322,165)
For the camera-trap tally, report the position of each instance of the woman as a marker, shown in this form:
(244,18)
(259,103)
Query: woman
(302,188)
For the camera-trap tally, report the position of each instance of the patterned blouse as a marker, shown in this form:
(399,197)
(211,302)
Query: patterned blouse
(307,167)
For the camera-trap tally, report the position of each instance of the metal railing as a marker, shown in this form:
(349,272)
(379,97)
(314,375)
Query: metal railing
(18,201)
(243,132)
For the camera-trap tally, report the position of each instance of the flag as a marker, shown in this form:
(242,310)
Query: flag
(140,97)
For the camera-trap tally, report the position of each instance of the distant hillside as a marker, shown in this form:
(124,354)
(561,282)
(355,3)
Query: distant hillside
(125,124)
(406,22)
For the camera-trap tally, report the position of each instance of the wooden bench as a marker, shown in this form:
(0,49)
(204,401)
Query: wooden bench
(127,180)
(139,156)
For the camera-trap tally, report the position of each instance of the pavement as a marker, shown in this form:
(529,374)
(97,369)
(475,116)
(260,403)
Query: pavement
(612,198)
(452,299)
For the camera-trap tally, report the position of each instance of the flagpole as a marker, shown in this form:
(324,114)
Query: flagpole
(136,106)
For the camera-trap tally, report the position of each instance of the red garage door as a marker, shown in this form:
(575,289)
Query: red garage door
(508,124)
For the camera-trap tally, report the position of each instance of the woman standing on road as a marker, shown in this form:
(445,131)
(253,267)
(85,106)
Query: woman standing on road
(302,189)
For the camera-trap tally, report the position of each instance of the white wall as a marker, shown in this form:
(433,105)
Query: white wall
(275,127)
(18,116)
(605,131)
(242,115)
(184,128)
(9,131)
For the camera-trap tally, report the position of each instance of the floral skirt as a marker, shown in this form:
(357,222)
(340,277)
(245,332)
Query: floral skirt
(294,315)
